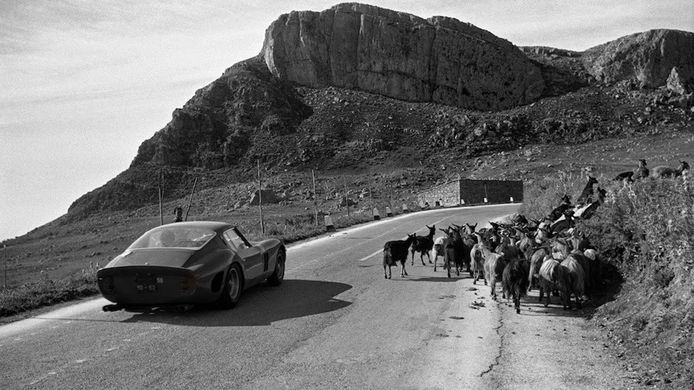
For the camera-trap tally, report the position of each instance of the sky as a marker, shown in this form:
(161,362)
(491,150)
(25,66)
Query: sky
(83,83)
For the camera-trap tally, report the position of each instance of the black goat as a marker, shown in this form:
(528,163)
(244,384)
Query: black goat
(628,176)
(641,172)
(559,210)
(394,251)
(587,192)
(423,245)
(514,280)
(456,252)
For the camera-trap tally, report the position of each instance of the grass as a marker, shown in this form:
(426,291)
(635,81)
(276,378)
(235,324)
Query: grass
(46,292)
(646,231)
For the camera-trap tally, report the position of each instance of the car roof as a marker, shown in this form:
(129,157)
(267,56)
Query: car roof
(212,225)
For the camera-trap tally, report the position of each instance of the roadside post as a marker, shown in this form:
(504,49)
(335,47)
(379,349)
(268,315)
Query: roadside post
(329,223)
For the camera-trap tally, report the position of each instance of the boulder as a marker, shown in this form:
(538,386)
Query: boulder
(676,83)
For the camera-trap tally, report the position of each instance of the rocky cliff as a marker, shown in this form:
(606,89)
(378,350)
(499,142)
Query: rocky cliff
(648,57)
(402,56)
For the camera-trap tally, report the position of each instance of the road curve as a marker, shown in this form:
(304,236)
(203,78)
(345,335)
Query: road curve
(335,322)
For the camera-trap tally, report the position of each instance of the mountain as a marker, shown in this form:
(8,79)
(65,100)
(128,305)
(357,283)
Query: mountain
(357,87)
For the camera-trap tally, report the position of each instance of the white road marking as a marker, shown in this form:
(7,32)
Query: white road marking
(24,325)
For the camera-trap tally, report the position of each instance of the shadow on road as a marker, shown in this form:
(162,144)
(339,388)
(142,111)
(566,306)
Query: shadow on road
(441,278)
(531,306)
(259,305)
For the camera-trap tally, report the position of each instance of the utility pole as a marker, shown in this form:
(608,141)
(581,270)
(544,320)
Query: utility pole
(346,198)
(260,201)
(315,197)
(190,200)
(161,195)
(5,250)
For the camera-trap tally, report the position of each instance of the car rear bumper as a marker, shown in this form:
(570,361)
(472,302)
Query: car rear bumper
(152,285)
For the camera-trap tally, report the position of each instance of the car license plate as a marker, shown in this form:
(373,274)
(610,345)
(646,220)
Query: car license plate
(147,282)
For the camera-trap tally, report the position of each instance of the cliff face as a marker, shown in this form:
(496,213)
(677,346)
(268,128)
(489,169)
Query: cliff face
(648,57)
(402,56)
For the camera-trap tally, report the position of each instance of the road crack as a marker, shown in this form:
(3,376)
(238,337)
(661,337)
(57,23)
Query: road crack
(501,346)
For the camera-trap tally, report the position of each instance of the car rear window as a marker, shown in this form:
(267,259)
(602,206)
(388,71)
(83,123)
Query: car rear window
(174,237)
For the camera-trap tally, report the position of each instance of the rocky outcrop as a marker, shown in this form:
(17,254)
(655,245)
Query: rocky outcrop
(648,57)
(678,84)
(217,126)
(402,56)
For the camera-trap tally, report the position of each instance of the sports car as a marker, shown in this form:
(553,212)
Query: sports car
(186,263)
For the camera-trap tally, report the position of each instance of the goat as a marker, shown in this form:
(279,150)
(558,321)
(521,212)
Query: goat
(564,223)
(439,247)
(587,190)
(625,176)
(514,280)
(663,171)
(588,211)
(477,260)
(574,283)
(536,260)
(559,210)
(394,251)
(494,264)
(457,250)
(470,229)
(641,172)
(550,276)
(423,244)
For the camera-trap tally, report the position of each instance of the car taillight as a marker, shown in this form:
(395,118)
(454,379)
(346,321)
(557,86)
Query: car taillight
(188,283)
(106,283)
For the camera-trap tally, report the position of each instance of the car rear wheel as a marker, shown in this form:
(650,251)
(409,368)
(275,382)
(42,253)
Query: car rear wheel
(278,275)
(233,287)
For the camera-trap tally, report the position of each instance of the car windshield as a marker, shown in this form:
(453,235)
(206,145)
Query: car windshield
(174,237)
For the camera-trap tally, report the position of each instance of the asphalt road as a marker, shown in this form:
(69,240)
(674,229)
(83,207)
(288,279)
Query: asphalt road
(335,323)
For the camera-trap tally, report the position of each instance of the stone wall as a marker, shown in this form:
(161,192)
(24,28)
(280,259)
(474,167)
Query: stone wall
(470,192)
(496,191)
(447,195)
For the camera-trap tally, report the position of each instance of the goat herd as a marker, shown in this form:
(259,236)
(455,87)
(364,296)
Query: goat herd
(550,254)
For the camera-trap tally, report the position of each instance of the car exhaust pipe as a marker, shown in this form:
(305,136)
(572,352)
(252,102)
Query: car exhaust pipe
(113,307)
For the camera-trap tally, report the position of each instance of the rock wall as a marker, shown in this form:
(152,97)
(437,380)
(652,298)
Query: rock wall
(402,56)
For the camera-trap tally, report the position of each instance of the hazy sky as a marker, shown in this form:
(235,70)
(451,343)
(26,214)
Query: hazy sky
(85,82)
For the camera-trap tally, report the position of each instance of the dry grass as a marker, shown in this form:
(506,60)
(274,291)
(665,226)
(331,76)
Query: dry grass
(47,291)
